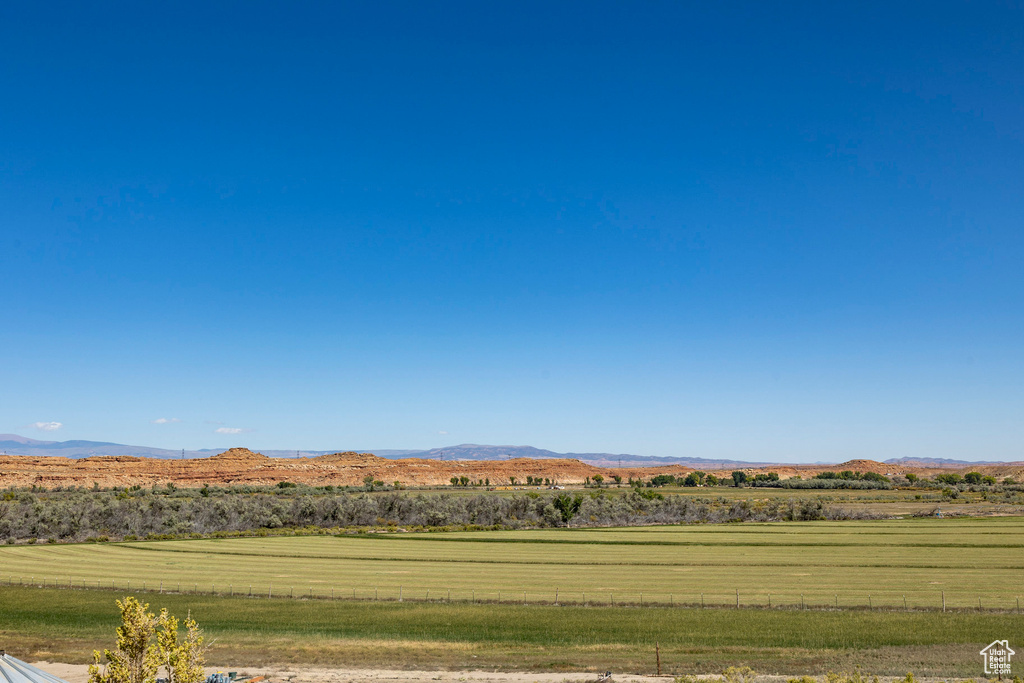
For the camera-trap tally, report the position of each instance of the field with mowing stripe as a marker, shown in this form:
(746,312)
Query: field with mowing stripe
(888,563)
(65,625)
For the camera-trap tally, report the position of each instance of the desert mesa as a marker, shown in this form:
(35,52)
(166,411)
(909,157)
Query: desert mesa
(239,466)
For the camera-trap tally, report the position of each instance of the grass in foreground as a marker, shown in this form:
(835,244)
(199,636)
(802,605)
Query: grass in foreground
(66,625)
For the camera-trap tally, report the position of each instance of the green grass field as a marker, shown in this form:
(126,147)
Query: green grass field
(65,625)
(916,559)
(882,563)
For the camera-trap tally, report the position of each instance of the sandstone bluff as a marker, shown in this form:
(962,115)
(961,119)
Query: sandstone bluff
(242,466)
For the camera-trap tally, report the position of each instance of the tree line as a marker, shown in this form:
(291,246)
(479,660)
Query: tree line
(82,515)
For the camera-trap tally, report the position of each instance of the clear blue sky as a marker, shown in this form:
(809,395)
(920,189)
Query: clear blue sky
(757,231)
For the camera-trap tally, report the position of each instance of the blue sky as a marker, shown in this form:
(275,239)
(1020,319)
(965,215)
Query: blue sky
(721,230)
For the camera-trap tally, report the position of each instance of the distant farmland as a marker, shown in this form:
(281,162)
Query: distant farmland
(855,564)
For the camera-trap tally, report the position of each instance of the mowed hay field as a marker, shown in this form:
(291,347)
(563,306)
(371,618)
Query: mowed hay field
(66,625)
(851,564)
(666,567)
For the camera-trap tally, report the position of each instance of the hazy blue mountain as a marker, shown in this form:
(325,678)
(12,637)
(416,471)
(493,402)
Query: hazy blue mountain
(13,444)
(942,462)
(19,445)
(469,451)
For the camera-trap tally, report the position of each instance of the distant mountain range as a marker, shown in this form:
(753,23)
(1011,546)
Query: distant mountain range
(941,462)
(13,444)
(469,451)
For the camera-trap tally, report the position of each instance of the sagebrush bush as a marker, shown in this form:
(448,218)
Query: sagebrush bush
(79,515)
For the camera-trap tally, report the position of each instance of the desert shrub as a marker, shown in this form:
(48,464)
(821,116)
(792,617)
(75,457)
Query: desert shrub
(738,674)
(80,515)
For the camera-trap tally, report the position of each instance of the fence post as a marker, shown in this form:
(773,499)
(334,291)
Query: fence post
(869,602)
(737,598)
(769,601)
(657,654)
(270,590)
(904,603)
(399,594)
(556,596)
(943,601)
(802,605)
(702,601)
